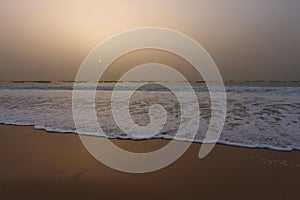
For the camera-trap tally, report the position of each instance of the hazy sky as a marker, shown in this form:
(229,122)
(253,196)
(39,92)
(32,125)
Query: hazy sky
(249,40)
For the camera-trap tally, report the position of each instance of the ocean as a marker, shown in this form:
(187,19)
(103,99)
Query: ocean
(260,114)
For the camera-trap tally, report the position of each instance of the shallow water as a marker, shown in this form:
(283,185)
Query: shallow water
(257,116)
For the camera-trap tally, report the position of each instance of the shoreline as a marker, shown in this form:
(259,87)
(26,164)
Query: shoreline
(226,143)
(37,164)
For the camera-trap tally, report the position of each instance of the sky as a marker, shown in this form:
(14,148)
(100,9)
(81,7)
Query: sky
(248,40)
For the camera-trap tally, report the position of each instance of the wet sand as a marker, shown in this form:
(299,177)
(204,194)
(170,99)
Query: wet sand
(35,164)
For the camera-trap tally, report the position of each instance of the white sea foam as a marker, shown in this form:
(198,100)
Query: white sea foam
(257,117)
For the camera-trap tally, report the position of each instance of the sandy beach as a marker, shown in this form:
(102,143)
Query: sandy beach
(36,164)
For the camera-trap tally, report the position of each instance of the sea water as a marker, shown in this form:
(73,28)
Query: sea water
(259,114)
